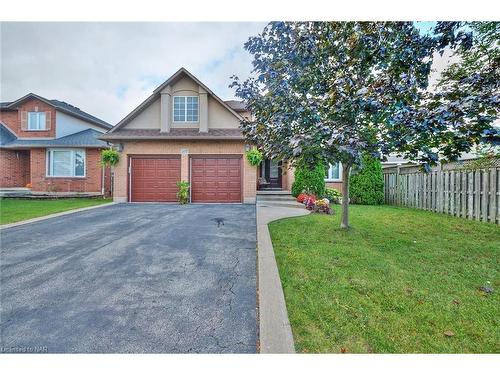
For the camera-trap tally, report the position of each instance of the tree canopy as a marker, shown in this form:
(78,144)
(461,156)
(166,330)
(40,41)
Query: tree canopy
(333,91)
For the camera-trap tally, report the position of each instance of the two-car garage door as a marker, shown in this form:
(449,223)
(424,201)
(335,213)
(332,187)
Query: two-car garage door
(213,179)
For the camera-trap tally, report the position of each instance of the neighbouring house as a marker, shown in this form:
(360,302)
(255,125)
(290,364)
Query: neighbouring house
(51,146)
(184,131)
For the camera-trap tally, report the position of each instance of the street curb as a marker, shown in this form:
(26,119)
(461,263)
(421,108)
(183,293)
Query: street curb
(274,326)
(35,219)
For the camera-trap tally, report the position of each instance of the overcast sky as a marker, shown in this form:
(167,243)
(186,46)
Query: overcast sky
(107,69)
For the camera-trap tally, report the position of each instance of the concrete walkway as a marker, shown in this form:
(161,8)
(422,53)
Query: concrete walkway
(275,331)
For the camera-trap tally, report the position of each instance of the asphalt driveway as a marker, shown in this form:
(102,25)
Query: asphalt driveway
(131,278)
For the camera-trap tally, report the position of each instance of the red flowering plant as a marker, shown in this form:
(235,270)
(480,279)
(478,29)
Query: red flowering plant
(301,197)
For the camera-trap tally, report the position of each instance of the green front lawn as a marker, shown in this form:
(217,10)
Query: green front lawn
(400,281)
(12,210)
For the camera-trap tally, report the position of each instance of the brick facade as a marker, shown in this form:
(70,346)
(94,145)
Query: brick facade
(216,147)
(13,119)
(335,185)
(21,167)
(14,168)
(92,183)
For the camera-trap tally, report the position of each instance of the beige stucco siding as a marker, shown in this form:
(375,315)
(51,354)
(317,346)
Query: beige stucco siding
(185,86)
(219,117)
(175,148)
(149,118)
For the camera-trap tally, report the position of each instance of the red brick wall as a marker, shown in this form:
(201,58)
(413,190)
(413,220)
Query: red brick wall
(107,182)
(13,119)
(14,168)
(334,185)
(91,183)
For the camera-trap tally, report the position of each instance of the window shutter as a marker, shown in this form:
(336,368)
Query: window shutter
(24,120)
(47,120)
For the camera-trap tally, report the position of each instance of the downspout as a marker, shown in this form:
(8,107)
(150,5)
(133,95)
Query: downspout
(103,173)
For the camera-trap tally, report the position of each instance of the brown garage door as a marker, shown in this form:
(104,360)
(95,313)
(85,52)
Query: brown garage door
(153,179)
(216,179)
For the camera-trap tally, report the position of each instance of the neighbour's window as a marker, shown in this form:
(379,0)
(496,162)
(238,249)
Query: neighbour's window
(36,120)
(65,163)
(185,109)
(333,172)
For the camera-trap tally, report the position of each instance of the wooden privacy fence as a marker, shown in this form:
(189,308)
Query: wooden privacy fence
(455,190)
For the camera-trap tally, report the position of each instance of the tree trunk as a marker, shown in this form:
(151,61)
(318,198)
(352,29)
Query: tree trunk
(345,196)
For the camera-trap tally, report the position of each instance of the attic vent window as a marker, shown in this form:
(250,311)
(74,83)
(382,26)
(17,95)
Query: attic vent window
(186,109)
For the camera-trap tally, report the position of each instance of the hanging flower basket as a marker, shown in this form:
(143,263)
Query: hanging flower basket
(110,157)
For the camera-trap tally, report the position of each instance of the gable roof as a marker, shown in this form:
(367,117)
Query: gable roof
(88,138)
(156,95)
(60,106)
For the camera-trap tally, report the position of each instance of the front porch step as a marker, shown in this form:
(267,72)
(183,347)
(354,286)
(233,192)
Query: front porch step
(280,204)
(273,192)
(280,197)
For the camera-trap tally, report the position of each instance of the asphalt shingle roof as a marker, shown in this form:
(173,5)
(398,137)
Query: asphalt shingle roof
(236,105)
(174,134)
(6,135)
(86,138)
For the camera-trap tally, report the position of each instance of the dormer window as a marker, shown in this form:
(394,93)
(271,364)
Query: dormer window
(186,109)
(36,121)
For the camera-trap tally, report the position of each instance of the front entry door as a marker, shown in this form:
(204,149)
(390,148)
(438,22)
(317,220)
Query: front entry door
(272,173)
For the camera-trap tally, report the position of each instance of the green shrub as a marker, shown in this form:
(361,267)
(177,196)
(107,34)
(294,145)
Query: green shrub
(109,157)
(367,183)
(333,195)
(183,192)
(254,157)
(309,180)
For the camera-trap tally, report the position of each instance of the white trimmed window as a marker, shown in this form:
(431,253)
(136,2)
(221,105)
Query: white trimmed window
(36,120)
(334,172)
(186,109)
(65,163)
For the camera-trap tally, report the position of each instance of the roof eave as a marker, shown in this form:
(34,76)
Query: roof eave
(25,97)
(167,137)
(28,146)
